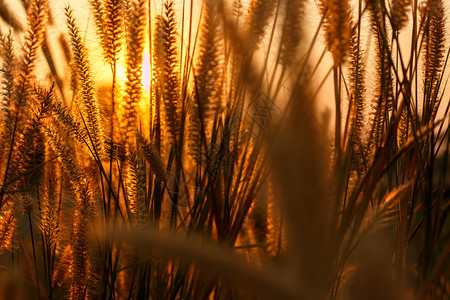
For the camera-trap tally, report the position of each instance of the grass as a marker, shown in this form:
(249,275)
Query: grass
(221,181)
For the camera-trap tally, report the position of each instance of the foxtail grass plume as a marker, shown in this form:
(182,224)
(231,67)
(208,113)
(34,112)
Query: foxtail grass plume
(134,58)
(337,28)
(108,15)
(434,51)
(258,19)
(167,67)
(88,102)
(291,31)
(399,13)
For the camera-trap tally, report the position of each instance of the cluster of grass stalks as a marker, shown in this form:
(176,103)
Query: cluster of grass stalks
(221,181)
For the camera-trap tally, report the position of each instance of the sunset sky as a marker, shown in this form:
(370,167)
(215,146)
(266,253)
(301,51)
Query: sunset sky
(103,74)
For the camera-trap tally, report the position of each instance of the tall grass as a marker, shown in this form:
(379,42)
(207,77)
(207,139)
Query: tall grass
(221,181)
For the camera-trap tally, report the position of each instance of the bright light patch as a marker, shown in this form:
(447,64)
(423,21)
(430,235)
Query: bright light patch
(121,73)
(146,72)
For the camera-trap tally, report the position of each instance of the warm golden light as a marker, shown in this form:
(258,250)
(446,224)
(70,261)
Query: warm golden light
(146,72)
(186,149)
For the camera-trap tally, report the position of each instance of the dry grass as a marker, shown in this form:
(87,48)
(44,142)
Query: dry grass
(220,182)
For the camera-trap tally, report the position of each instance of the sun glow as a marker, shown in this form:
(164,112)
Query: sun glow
(146,71)
(146,77)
